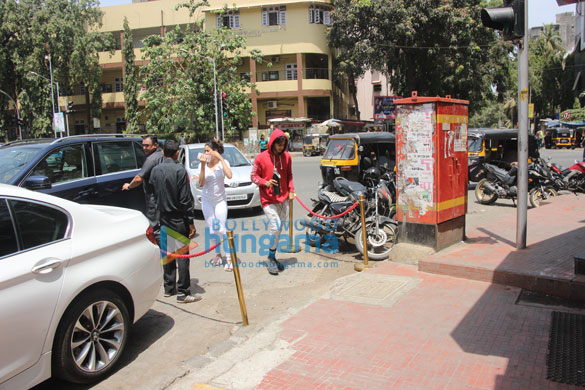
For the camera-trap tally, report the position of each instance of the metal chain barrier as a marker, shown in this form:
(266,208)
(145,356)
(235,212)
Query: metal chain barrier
(353,206)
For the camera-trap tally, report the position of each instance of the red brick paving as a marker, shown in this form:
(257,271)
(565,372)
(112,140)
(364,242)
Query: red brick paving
(446,333)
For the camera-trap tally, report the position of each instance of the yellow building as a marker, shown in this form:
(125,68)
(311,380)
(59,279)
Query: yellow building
(290,35)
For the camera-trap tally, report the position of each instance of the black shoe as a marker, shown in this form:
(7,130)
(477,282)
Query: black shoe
(279,265)
(273,267)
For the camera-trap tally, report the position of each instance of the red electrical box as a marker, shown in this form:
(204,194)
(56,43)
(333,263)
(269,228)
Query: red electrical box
(431,169)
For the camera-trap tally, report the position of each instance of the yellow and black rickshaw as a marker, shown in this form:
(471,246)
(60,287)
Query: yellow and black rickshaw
(559,137)
(496,146)
(577,137)
(314,144)
(350,155)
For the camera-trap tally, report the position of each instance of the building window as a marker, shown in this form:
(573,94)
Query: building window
(229,19)
(319,15)
(291,71)
(274,16)
(79,126)
(119,84)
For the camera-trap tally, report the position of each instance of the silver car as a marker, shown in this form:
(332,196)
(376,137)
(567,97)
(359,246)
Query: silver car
(241,192)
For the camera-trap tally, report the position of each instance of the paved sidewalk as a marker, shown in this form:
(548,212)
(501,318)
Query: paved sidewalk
(555,234)
(395,327)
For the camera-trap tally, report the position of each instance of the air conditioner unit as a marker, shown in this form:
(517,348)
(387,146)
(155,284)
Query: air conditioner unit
(272,104)
(275,59)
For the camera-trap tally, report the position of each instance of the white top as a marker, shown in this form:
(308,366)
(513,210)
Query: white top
(213,189)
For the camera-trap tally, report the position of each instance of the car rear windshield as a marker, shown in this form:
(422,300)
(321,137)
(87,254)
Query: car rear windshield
(340,149)
(14,159)
(231,154)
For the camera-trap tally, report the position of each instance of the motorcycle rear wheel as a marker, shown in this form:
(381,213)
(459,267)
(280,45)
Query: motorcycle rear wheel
(483,196)
(537,195)
(380,245)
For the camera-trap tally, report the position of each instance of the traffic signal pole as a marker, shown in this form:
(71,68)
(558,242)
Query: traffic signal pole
(512,20)
(523,124)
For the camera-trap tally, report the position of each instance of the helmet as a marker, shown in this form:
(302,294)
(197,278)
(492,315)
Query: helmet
(372,174)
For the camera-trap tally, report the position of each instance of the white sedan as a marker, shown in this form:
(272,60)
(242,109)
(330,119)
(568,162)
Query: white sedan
(241,193)
(73,278)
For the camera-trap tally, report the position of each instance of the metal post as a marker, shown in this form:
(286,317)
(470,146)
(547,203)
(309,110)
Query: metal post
(52,94)
(243,310)
(58,105)
(221,114)
(16,112)
(291,248)
(215,98)
(521,213)
(361,267)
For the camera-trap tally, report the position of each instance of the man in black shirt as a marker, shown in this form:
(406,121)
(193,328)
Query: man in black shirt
(174,202)
(154,157)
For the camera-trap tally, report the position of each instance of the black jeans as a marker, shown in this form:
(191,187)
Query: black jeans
(183,286)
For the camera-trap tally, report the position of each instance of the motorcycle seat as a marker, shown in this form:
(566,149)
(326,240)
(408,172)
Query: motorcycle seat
(331,197)
(346,187)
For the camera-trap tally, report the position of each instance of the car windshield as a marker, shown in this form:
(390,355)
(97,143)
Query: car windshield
(231,154)
(13,160)
(340,149)
(474,144)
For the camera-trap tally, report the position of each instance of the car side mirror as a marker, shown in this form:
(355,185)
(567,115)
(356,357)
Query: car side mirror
(36,183)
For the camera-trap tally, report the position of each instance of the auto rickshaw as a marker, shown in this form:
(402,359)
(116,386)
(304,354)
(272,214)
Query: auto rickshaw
(350,155)
(496,146)
(560,137)
(314,144)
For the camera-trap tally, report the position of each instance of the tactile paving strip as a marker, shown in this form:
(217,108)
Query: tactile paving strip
(566,349)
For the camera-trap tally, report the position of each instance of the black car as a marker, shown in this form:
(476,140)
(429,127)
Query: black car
(83,168)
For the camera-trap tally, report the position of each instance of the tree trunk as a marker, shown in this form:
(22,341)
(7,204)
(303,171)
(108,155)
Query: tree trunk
(88,108)
(353,93)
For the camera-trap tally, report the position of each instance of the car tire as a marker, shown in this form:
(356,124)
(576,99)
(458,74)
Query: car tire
(75,345)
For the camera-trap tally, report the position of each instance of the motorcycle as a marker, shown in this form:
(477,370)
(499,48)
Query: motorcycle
(542,182)
(574,177)
(338,198)
(496,183)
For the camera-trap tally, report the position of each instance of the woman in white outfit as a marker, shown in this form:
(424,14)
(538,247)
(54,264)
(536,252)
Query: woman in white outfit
(214,170)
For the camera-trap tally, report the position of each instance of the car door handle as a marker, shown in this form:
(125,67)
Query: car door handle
(47,266)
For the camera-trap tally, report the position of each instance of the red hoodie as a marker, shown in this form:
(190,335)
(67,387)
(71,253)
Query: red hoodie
(263,170)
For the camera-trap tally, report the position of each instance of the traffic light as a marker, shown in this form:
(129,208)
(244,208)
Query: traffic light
(224,105)
(508,18)
(70,107)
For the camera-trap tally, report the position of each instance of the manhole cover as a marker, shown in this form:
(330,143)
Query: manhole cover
(566,349)
(372,289)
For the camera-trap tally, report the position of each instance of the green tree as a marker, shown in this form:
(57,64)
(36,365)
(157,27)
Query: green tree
(178,79)
(436,47)
(30,30)
(550,81)
(130,81)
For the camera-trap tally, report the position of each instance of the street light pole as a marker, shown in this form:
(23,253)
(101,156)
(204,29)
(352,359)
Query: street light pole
(48,57)
(17,114)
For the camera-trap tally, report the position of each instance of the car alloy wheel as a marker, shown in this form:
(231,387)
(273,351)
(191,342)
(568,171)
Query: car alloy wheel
(91,337)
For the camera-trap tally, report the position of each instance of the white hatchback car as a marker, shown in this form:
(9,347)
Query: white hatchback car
(73,278)
(240,191)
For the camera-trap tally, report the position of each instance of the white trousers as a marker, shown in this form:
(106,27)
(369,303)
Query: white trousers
(277,215)
(215,215)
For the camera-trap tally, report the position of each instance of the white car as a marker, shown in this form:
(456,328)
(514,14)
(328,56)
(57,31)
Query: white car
(73,278)
(240,191)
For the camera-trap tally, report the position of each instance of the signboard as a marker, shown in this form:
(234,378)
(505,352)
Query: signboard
(531,110)
(567,115)
(59,122)
(384,107)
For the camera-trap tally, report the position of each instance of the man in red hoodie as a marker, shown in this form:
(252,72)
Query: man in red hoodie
(272,173)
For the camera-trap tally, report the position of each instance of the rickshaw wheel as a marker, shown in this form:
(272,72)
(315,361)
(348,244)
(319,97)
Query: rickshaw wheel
(482,196)
(536,195)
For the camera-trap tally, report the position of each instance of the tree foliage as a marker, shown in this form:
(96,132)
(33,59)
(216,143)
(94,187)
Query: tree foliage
(436,47)
(179,85)
(32,29)
(130,81)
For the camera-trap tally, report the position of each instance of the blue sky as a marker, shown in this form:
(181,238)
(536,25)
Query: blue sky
(539,11)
